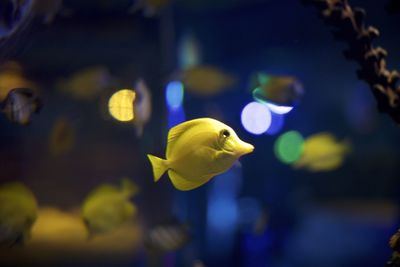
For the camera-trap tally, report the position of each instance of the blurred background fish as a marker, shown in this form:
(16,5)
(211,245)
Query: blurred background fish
(18,212)
(167,237)
(19,105)
(278,90)
(141,106)
(206,80)
(322,152)
(62,137)
(107,207)
(12,76)
(87,83)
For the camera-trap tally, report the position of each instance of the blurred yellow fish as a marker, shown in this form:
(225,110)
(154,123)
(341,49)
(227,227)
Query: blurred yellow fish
(18,212)
(278,90)
(206,80)
(198,150)
(322,152)
(86,84)
(11,76)
(108,207)
(62,137)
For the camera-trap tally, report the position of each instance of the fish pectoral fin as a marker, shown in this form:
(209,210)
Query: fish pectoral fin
(183,184)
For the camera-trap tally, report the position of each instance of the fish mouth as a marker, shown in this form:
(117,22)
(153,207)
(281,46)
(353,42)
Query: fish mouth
(245,148)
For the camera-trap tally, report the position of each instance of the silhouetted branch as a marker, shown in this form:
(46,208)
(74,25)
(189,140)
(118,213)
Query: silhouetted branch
(395,245)
(348,25)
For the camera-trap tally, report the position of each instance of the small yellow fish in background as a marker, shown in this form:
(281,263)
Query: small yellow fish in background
(141,106)
(20,104)
(12,76)
(87,83)
(62,137)
(198,150)
(107,207)
(206,80)
(18,212)
(278,90)
(322,152)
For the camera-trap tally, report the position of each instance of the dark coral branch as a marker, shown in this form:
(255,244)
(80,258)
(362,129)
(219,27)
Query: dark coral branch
(395,245)
(348,24)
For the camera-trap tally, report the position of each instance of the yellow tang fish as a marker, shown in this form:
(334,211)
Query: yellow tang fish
(107,207)
(206,80)
(322,152)
(18,212)
(198,150)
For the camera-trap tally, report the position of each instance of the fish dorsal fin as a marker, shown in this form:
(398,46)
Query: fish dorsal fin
(104,189)
(175,132)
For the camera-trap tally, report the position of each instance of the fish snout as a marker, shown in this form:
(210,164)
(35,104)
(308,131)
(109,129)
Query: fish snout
(245,148)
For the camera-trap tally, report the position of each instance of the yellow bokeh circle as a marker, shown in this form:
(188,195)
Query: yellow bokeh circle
(121,104)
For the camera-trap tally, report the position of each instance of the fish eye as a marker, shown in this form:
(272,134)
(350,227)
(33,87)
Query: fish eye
(225,133)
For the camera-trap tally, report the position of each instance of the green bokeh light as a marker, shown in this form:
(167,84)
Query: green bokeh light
(289,147)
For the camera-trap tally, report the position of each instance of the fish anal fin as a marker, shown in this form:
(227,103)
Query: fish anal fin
(183,184)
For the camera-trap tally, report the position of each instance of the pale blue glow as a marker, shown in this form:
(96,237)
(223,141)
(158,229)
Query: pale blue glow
(279,109)
(277,122)
(176,116)
(249,210)
(256,118)
(222,213)
(174,94)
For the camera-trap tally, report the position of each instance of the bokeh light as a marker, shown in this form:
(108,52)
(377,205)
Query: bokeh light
(120,105)
(176,116)
(279,109)
(289,147)
(256,118)
(277,122)
(174,94)
(222,213)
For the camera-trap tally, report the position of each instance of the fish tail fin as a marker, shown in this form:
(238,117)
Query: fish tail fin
(128,187)
(159,166)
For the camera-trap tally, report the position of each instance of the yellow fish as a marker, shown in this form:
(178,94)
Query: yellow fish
(87,83)
(18,212)
(108,207)
(12,76)
(198,150)
(322,152)
(206,80)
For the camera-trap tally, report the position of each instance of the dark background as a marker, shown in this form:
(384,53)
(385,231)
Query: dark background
(315,219)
